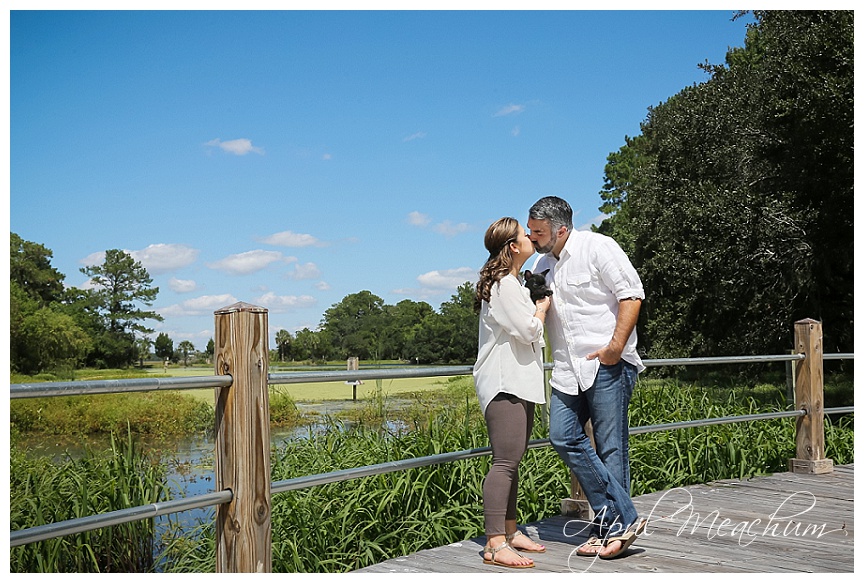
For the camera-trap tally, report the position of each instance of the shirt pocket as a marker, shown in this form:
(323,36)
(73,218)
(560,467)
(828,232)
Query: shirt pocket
(579,280)
(578,287)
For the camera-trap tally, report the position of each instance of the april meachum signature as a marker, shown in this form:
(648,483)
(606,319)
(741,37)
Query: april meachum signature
(780,523)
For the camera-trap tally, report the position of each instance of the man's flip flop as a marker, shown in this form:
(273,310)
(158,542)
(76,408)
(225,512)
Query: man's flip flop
(592,543)
(625,539)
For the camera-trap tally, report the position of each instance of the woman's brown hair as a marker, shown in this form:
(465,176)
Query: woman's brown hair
(498,237)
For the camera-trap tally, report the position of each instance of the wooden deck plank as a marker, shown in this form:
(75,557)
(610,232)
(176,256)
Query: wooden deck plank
(782,523)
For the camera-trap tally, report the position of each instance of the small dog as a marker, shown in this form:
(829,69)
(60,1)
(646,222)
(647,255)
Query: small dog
(536,283)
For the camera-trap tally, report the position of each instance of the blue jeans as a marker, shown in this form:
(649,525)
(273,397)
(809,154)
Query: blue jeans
(604,473)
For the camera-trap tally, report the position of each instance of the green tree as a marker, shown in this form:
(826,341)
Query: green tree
(620,174)
(164,346)
(30,267)
(736,201)
(211,348)
(283,344)
(143,346)
(185,348)
(450,335)
(355,325)
(461,323)
(42,334)
(311,345)
(49,340)
(120,284)
(400,324)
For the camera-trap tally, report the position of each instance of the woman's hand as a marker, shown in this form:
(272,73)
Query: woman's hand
(543,304)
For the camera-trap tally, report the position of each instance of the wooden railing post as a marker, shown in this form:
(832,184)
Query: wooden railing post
(353,364)
(809,396)
(243,440)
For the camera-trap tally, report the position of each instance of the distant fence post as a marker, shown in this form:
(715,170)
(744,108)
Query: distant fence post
(809,396)
(353,364)
(243,440)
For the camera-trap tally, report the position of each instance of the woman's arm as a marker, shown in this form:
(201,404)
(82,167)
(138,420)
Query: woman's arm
(511,307)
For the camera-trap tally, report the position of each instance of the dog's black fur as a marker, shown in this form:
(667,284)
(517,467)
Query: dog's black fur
(536,283)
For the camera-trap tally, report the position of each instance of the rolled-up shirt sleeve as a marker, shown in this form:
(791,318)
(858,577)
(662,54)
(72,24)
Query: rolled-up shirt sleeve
(619,275)
(514,311)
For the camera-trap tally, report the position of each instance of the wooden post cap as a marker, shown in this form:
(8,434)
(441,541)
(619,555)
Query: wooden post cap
(241,307)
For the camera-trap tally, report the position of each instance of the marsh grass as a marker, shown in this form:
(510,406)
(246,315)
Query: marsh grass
(348,525)
(43,493)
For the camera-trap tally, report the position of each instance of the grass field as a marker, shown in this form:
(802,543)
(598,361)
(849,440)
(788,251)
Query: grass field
(322,391)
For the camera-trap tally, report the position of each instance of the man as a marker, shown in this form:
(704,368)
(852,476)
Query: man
(596,299)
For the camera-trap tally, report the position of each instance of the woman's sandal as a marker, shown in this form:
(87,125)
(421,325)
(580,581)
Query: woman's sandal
(592,543)
(509,539)
(502,546)
(625,539)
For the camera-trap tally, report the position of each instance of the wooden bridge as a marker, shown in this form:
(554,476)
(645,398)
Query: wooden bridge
(783,523)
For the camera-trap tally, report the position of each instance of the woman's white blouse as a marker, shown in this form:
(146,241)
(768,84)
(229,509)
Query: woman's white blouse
(510,354)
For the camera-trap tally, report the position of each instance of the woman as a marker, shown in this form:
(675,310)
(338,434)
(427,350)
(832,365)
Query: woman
(508,377)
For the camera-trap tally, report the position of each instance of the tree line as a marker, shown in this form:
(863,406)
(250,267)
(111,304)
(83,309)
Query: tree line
(52,327)
(736,200)
(735,203)
(362,325)
(55,328)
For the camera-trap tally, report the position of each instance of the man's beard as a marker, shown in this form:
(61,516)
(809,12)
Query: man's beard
(548,247)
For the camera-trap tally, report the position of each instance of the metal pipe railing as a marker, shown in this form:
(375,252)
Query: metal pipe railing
(56,389)
(62,389)
(78,525)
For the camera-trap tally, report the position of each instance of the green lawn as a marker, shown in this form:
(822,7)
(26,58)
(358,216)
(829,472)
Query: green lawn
(322,391)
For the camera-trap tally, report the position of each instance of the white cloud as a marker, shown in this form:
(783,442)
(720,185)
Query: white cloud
(439,283)
(156,258)
(416,136)
(276,303)
(516,131)
(448,229)
(182,286)
(199,306)
(238,147)
(306,271)
(249,262)
(291,239)
(509,110)
(448,279)
(322,286)
(163,257)
(418,219)
(97,258)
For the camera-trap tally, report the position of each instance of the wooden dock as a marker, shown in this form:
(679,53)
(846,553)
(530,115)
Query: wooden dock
(783,523)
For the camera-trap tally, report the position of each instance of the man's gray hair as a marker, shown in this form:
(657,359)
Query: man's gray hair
(553,209)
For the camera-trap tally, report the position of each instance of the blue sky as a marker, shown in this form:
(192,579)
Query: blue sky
(288,159)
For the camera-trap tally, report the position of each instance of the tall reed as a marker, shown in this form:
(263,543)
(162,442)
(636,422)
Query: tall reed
(345,526)
(42,492)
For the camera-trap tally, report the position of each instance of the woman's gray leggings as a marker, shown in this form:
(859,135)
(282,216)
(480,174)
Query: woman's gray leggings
(509,421)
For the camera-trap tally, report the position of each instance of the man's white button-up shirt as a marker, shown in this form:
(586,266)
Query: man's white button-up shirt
(588,280)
